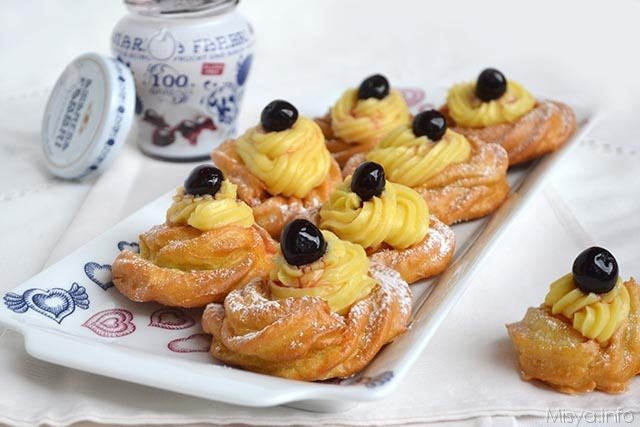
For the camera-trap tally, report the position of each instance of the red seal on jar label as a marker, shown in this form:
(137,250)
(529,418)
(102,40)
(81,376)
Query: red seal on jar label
(212,68)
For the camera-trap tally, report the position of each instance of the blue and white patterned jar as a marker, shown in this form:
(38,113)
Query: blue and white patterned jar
(190,60)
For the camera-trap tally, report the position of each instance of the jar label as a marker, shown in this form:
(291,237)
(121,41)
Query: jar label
(190,80)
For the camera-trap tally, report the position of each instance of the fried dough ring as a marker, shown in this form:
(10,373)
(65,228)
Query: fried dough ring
(341,150)
(551,350)
(542,130)
(300,338)
(272,212)
(424,259)
(181,266)
(463,191)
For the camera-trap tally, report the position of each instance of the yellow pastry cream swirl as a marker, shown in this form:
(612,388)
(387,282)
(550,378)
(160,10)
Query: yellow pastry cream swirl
(291,162)
(366,121)
(340,277)
(208,212)
(469,111)
(399,217)
(595,316)
(412,160)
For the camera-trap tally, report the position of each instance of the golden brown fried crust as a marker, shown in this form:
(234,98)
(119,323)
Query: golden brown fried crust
(340,150)
(182,266)
(300,338)
(551,350)
(272,212)
(463,191)
(542,130)
(424,259)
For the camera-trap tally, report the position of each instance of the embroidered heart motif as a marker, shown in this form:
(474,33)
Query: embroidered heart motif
(379,380)
(196,343)
(170,318)
(56,303)
(369,382)
(112,323)
(412,96)
(99,274)
(129,246)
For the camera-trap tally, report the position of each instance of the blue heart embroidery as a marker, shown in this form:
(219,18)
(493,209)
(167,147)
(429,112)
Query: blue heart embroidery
(379,380)
(369,382)
(130,246)
(99,274)
(56,303)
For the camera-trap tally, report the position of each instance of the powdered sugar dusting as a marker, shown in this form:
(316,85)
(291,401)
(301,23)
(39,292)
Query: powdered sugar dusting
(543,129)
(466,190)
(425,259)
(395,289)
(301,337)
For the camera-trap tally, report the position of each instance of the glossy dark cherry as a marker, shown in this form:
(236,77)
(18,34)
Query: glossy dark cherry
(595,270)
(376,86)
(491,84)
(302,242)
(204,122)
(151,116)
(163,136)
(368,180)
(204,179)
(430,123)
(278,115)
(187,127)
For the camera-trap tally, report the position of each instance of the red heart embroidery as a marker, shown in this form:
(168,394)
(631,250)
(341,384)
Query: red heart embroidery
(196,343)
(171,318)
(412,96)
(112,323)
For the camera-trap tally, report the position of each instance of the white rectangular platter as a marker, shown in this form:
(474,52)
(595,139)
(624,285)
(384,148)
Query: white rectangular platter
(71,315)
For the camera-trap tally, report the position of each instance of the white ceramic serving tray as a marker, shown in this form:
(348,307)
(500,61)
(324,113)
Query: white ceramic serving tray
(71,315)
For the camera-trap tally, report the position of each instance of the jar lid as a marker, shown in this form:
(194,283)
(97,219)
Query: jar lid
(180,7)
(88,116)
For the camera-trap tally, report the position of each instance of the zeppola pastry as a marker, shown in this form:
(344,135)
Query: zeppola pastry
(208,246)
(324,312)
(282,167)
(461,178)
(586,335)
(391,221)
(500,111)
(362,117)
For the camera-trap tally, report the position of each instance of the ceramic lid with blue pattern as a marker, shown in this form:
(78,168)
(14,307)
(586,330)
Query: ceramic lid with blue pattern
(88,116)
